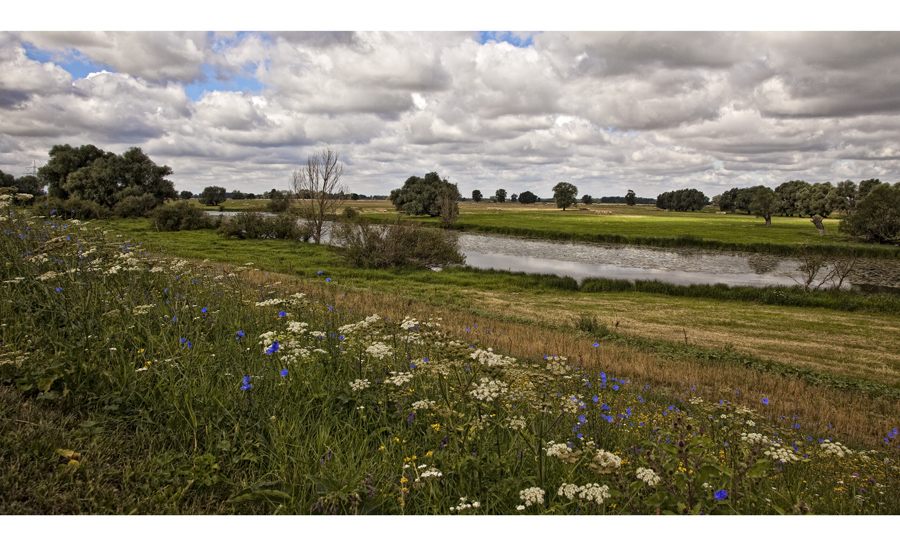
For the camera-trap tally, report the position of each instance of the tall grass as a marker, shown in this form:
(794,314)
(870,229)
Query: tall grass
(253,398)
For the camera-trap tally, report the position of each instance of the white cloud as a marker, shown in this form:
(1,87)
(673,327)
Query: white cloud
(610,111)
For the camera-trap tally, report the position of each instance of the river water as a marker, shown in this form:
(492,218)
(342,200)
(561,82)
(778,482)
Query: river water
(677,266)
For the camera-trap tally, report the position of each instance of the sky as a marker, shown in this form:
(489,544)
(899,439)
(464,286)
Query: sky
(639,101)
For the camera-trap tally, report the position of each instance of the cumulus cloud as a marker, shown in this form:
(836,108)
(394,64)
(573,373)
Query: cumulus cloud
(606,110)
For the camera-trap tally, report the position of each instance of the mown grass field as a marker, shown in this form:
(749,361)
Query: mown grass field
(137,382)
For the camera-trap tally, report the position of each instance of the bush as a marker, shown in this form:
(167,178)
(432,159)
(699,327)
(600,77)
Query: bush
(396,244)
(135,205)
(256,225)
(80,209)
(182,216)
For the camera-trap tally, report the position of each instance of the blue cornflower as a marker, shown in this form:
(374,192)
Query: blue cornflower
(596,399)
(183,340)
(282,314)
(59,289)
(765,400)
(426,359)
(203,310)
(246,384)
(721,494)
(615,387)
(284,372)
(319,273)
(189,345)
(596,345)
(604,406)
(581,419)
(240,334)
(174,319)
(328,279)
(272,348)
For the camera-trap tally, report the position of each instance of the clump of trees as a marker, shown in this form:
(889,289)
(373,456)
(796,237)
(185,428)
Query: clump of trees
(130,184)
(28,184)
(431,195)
(477,196)
(682,200)
(564,194)
(871,208)
(527,198)
(212,196)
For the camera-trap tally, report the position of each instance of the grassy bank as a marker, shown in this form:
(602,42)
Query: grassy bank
(221,390)
(859,344)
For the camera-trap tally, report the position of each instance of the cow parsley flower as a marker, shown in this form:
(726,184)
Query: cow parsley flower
(359,384)
(532,495)
(647,476)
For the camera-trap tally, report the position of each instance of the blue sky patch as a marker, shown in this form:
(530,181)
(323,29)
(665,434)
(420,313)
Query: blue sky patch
(504,36)
(210,83)
(71,60)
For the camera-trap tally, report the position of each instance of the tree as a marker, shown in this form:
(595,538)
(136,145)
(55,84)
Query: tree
(629,198)
(587,199)
(790,197)
(846,195)
(420,196)
(7,180)
(564,195)
(65,160)
(682,200)
(728,200)
(476,196)
(320,185)
(817,199)
(743,198)
(449,207)
(877,216)
(764,204)
(237,194)
(865,187)
(29,184)
(513,198)
(186,195)
(501,195)
(527,198)
(212,196)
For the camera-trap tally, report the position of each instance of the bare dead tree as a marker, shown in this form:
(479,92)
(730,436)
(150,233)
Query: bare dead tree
(319,190)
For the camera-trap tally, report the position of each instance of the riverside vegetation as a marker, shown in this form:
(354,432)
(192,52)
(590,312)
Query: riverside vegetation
(139,382)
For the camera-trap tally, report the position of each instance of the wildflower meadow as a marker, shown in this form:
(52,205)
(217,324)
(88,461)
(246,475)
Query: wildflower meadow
(231,397)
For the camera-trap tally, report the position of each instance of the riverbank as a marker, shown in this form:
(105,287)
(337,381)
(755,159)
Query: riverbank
(826,339)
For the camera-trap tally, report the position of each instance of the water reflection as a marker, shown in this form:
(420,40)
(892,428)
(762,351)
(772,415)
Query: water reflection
(677,266)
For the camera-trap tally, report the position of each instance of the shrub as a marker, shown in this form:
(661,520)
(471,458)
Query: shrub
(135,205)
(256,225)
(396,244)
(182,216)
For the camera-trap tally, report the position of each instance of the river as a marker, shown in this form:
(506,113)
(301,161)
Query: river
(682,266)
